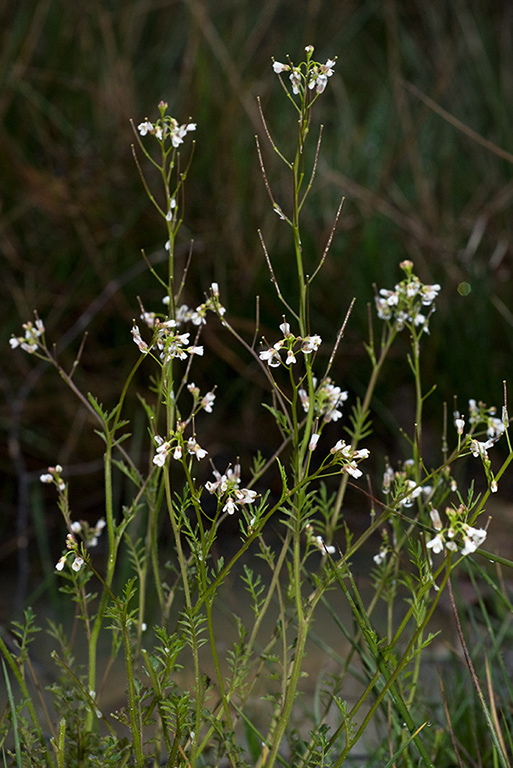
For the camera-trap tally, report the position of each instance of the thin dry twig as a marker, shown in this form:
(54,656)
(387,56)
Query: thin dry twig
(185,270)
(274,281)
(257,322)
(449,722)
(330,239)
(461,126)
(268,134)
(493,708)
(78,356)
(496,735)
(339,338)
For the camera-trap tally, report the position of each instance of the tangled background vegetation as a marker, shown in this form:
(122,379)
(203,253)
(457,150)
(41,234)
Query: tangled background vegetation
(418,184)
(417,138)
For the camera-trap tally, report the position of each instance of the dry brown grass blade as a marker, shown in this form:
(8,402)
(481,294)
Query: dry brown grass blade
(220,51)
(493,710)
(491,719)
(461,126)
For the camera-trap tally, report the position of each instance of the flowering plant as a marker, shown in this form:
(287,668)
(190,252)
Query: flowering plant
(300,491)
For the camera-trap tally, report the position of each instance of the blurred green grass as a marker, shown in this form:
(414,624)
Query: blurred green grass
(74,216)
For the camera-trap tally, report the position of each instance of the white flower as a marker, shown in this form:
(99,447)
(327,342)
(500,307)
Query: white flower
(436,544)
(435,518)
(388,479)
(429,293)
(29,341)
(460,425)
(328,398)
(474,537)
(60,565)
(295,79)
(415,490)
(245,496)
(271,356)
(328,548)
(160,459)
(230,506)
(469,546)
(162,451)
(312,445)
(319,75)
(178,133)
(136,334)
(278,67)
(353,470)
(478,448)
(207,402)
(341,447)
(380,557)
(496,427)
(311,344)
(145,127)
(172,206)
(77,563)
(195,449)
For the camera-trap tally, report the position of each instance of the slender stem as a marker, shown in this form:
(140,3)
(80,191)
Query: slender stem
(17,671)
(133,699)
(364,410)
(111,565)
(189,609)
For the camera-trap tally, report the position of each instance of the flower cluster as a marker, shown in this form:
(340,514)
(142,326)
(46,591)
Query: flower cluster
(479,413)
(72,547)
(183,315)
(328,400)
(405,305)
(227,486)
(290,345)
(381,556)
(166,128)
(176,446)
(348,457)
(198,316)
(308,74)
(88,533)
(206,402)
(318,541)
(403,485)
(167,340)
(29,342)
(471,537)
(54,476)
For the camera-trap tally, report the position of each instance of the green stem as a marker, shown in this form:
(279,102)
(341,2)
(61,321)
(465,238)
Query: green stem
(189,608)
(364,410)
(111,564)
(133,700)
(18,674)
(390,676)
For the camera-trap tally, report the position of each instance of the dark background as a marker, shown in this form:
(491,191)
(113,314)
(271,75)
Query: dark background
(74,215)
